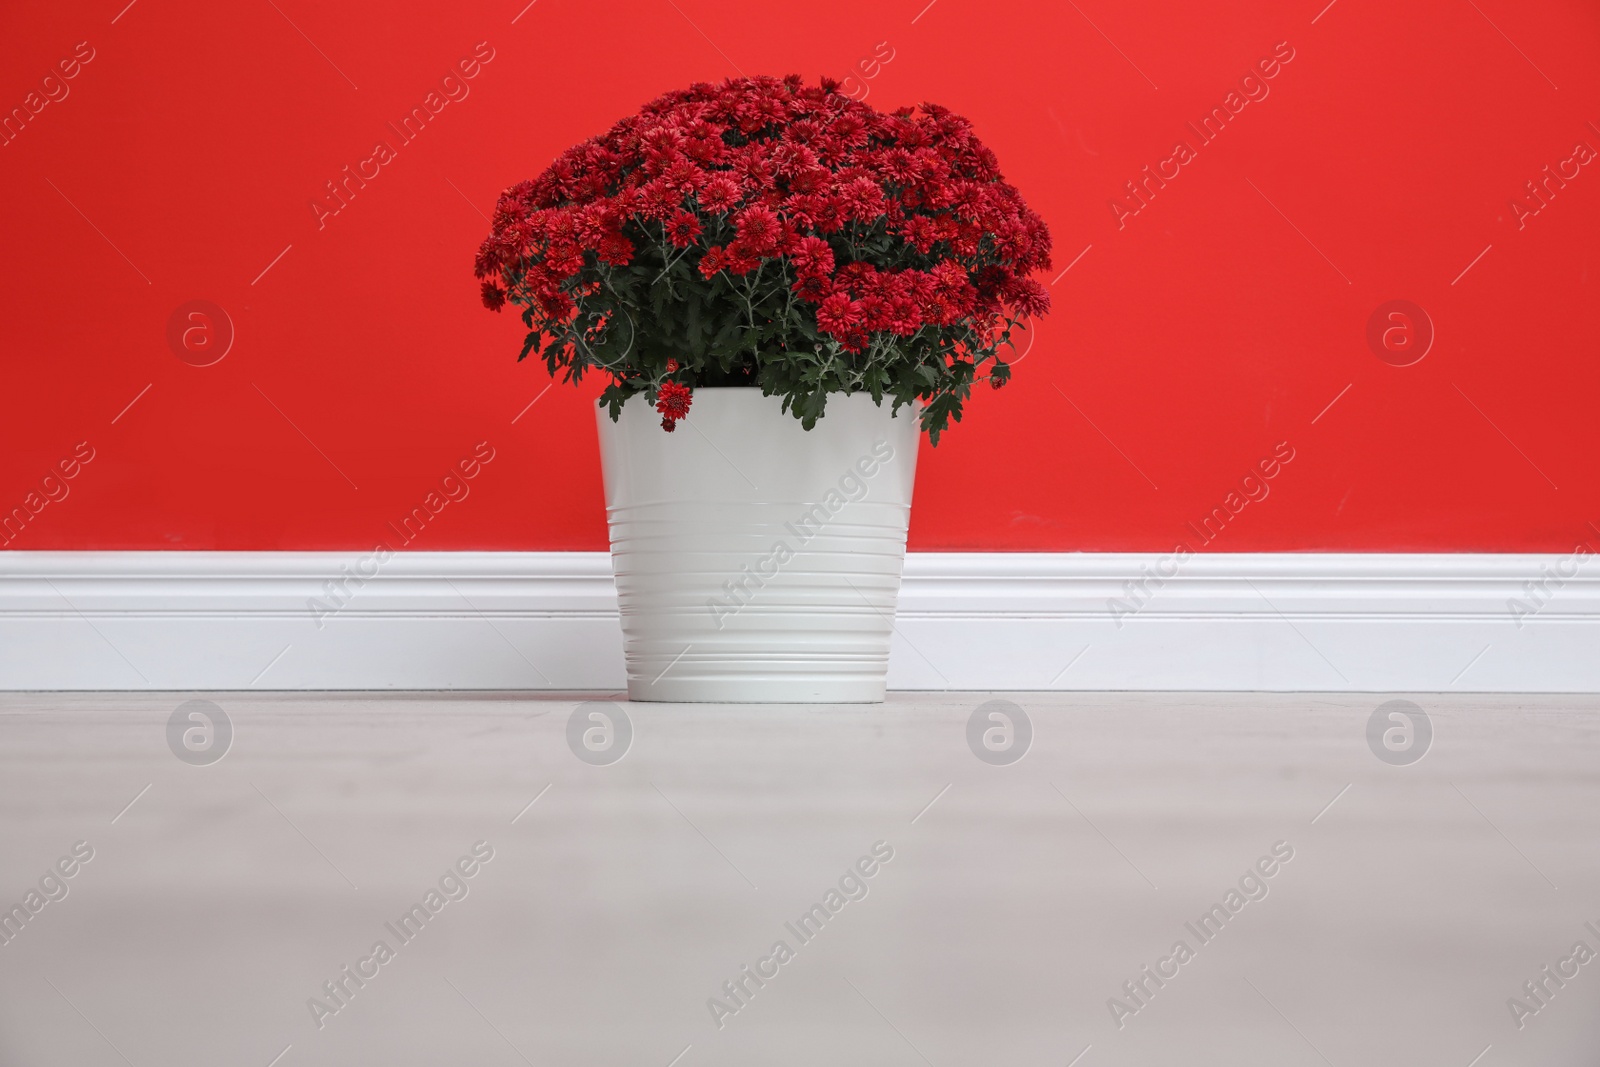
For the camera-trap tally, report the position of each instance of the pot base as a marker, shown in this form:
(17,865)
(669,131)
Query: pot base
(769,690)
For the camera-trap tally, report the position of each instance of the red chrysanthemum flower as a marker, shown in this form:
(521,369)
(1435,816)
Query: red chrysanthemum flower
(1030,297)
(863,199)
(740,260)
(812,257)
(719,194)
(615,249)
(850,128)
(828,212)
(684,175)
(683,229)
(712,261)
(494,297)
(760,230)
(673,399)
(949,278)
(838,314)
(813,288)
(659,199)
(920,232)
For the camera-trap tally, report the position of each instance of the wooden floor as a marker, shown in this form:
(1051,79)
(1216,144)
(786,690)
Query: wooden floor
(961,906)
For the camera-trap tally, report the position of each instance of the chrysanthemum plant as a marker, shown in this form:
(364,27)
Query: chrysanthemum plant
(777,235)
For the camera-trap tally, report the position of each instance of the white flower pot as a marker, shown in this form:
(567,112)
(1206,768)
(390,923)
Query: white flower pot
(756,561)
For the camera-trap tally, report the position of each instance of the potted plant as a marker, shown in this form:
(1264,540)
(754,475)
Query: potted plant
(765,262)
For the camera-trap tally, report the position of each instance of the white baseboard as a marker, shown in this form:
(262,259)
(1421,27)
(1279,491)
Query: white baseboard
(1020,621)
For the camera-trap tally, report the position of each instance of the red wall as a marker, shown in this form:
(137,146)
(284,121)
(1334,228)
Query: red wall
(1187,342)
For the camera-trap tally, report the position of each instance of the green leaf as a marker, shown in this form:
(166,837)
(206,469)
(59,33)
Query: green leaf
(530,345)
